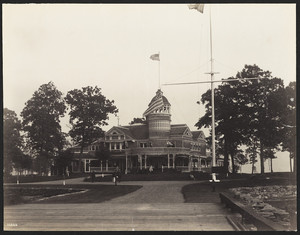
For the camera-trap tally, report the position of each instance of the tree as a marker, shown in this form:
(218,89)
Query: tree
(289,123)
(245,110)
(89,110)
(262,102)
(228,119)
(41,124)
(138,120)
(270,154)
(103,153)
(12,140)
(63,160)
(240,159)
(252,152)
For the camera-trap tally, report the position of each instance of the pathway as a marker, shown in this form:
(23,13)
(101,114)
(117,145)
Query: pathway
(157,206)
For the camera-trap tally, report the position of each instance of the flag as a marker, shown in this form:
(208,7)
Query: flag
(157,104)
(170,144)
(154,57)
(198,7)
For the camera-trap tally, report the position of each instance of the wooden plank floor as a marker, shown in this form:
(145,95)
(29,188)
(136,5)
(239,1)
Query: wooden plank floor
(117,217)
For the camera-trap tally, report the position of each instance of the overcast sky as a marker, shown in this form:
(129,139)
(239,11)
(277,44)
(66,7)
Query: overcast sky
(109,45)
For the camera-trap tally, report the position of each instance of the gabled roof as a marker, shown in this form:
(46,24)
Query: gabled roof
(198,135)
(178,129)
(121,129)
(138,131)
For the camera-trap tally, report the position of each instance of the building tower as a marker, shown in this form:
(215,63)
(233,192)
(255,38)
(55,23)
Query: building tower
(158,116)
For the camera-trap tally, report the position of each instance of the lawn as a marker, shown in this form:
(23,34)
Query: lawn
(167,175)
(18,194)
(202,192)
(38,178)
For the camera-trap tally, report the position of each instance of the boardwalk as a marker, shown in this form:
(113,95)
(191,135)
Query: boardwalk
(157,206)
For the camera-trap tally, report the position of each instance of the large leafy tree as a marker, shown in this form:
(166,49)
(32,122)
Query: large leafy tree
(247,112)
(289,123)
(89,111)
(42,125)
(228,120)
(263,102)
(12,141)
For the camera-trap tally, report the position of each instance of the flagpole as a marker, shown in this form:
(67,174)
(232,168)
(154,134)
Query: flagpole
(159,70)
(212,98)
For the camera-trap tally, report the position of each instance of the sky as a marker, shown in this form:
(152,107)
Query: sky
(109,45)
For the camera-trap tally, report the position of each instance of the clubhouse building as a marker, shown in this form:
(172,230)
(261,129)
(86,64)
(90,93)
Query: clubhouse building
(157,144)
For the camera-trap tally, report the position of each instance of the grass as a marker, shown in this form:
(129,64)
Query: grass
(155,176)
(18,194)
(202,192)
(38,178)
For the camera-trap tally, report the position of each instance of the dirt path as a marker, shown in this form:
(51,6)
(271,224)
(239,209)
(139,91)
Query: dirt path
(162,192)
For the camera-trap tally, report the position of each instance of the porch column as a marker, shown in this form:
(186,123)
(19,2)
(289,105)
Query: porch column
(109,146)
(106,165)
(126,166)
(140,161)
(168,160)
(189,165)
(101,166)
(173,161)
(84,166)
(199,164)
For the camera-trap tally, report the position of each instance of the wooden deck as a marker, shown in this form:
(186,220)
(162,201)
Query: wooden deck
(117,217)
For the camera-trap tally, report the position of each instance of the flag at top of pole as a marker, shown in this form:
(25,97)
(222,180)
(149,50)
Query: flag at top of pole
(155,57)
(198,7)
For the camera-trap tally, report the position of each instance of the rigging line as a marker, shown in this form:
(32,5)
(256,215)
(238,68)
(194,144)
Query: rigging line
(194,70)
(200,50)
(226,65)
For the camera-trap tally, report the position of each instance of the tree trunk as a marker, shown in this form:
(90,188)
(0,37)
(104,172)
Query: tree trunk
(252,167)
(232,162)
(291,169)
(262,166)
(226,163)
(271,165)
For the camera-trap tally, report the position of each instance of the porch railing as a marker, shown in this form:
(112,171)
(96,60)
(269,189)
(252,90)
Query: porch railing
(98,169)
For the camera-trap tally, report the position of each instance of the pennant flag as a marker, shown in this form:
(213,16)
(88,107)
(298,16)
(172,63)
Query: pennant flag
(198,7)
(154,57)
(157,104)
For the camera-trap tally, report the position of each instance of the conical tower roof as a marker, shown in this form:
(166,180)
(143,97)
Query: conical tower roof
(159,94)
(158,102)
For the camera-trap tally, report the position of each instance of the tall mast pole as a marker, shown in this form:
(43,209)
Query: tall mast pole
(159,70)
(212,97)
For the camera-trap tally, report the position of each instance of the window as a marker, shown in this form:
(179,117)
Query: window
(143,145)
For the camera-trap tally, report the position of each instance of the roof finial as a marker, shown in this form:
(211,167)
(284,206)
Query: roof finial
(159,93)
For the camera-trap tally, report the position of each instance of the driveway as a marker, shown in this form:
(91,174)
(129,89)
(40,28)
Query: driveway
(157,206)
